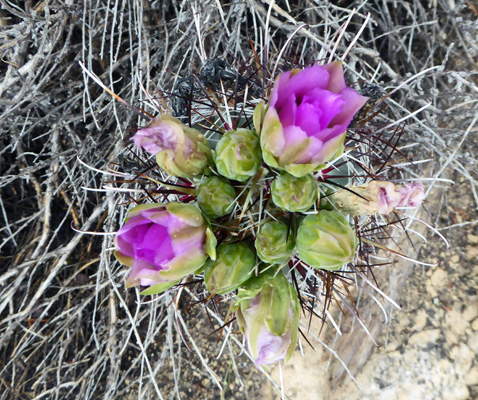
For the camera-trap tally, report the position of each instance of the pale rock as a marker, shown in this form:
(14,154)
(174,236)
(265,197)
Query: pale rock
(431,289)
(474,325)
(451,337)
(423,338)
(454,259)
(473,342)
(472,252)
(471,311)
(439,278)
(444,367)
(463,358)
(473,238)
(471,377)
(454,320)
(456,392)
(420,319)
(305,376)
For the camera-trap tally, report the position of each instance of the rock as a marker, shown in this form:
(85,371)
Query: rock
(473,238)
(420,320)
(474,325)
(470,312)
(455,322)
(424,338)
(439,278)
(455,259)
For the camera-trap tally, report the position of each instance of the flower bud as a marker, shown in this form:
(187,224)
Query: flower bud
(326,240)
(274,243)
(377,197)
(238,155)
(233,266)
(294,194)
(267,311)
(215,197)
(180,150)
(163,244)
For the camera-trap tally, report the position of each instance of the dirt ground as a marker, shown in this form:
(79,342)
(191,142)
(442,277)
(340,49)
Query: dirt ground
(69,329)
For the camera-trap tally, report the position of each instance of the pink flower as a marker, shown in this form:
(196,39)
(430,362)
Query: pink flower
(265,347)
(162,243)
(389,196)
(179,149)
(307,117)
(411,195)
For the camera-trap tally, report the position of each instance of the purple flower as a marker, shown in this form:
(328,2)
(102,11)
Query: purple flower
(162,244)
(389,196)
(179,149)
(268,315)
(307,117)
(265,347)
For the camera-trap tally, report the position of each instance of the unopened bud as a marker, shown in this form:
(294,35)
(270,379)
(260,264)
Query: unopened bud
(238,155)
(274,243)
(294,194)
(233,266)
(180,150)
(268,315)
(326,240)
(215,197)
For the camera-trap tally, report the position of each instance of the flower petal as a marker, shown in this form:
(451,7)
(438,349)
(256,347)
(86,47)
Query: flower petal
(299,148)
(301,83)
(271,348)
(140,269)
(272,135)
(353,103)
(317,111)
(280,81)
(287,113)
(336,80)
(330,149)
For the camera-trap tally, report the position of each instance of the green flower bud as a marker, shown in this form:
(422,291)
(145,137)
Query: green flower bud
(326,240)
(274,243)
(267,311)
(238,155)
(233,266)
(294,194)
(215,197)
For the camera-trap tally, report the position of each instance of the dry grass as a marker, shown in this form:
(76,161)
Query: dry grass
(69,329)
